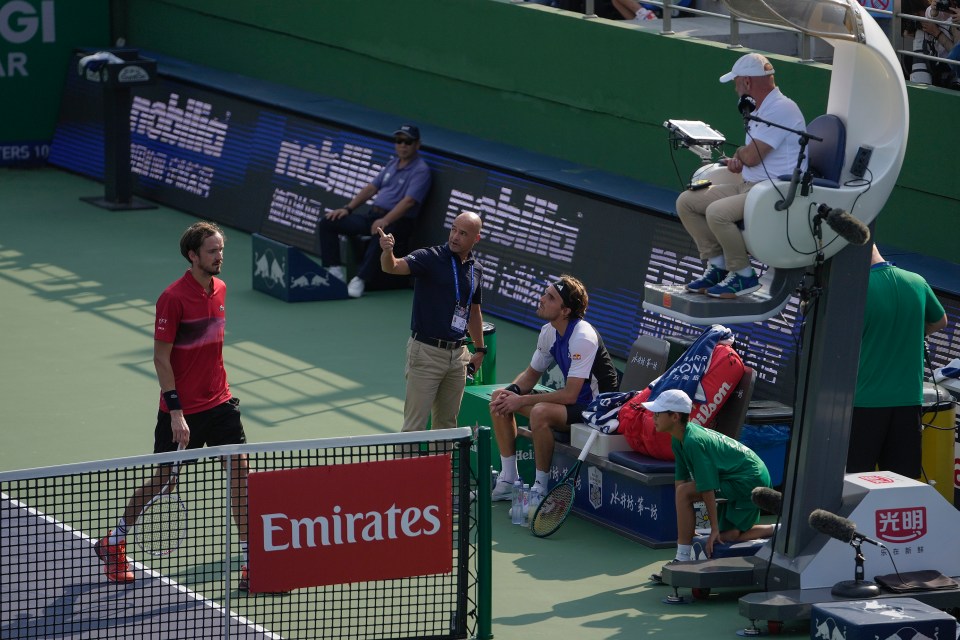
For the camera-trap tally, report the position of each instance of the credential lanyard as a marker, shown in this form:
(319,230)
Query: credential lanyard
(456,279)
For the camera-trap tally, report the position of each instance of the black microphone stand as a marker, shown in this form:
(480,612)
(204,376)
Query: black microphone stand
(858,587)
(798,173)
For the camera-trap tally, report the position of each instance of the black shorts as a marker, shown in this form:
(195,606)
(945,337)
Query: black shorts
(888,438)
(213,427)
(575,413)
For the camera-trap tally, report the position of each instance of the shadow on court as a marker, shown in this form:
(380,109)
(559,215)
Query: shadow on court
(61,591)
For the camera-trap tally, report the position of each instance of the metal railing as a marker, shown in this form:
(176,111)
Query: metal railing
(891,21)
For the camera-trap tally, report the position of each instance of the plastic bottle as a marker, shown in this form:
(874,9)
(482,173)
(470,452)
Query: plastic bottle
(533,501)
(526,503)
(516,503)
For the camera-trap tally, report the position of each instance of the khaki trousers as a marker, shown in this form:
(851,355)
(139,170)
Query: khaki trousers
(435,382)
(711,215)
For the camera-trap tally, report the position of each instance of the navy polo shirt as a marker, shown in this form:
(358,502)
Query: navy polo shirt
(434,294)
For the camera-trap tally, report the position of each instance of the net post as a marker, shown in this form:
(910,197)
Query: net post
(227,557)
(484,538)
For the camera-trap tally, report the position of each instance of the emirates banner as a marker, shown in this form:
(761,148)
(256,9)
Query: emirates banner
(350,523)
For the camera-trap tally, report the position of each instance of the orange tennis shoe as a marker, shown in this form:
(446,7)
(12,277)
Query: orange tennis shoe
(244,579)
(114,558)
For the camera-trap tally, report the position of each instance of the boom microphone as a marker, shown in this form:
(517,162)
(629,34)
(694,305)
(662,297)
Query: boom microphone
(838,528)
(770,500)
(746,106)
(844,225)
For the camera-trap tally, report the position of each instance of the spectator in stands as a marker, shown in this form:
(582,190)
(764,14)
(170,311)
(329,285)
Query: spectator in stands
(710,465)
(910,29)
(937,40)
(633,11)
(571,343)
(711,215)
(398,192)
(446,307)
(954,53)
(602,8)
(901,310)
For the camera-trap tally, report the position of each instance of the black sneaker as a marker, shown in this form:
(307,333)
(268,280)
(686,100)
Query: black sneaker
(658,577)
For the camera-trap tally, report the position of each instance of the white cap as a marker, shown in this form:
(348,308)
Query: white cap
(750,65)
(670,400)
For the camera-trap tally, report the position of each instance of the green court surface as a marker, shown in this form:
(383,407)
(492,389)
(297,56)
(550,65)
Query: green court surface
(77,291)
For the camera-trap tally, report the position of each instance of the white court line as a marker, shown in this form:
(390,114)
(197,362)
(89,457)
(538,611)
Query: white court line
(150,572)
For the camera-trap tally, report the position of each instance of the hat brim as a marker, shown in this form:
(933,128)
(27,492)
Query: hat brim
(727,77)
(401,132)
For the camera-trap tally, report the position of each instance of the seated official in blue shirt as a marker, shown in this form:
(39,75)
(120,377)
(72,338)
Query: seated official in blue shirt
(398,192)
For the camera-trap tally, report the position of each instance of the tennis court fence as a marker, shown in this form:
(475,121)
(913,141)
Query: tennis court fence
(357,537)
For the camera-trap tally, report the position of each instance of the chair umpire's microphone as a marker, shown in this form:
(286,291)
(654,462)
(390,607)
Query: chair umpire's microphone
(770,500)
(844,225)
(838,528)
(746,106)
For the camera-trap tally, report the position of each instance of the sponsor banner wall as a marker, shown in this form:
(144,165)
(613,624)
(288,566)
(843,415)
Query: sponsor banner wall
(350,523)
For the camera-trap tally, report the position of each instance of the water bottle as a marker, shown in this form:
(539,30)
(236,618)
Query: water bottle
(526,503)
(516,508)
(533,501)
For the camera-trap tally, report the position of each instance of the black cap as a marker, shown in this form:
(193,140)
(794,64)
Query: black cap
(409,130)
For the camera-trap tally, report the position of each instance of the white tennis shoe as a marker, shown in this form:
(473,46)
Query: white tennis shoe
(502,492)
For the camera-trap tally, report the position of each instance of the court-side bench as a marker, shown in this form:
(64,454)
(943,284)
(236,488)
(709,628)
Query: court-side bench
(617,488)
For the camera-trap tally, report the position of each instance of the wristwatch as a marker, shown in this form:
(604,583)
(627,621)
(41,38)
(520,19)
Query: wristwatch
(482,350)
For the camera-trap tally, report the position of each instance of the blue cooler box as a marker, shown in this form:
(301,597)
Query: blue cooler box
(880,619)
(770,442)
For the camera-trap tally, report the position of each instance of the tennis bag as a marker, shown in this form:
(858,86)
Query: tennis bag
(722,377)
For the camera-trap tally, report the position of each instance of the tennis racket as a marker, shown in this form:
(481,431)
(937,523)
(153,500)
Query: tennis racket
(553,511)
(162,524)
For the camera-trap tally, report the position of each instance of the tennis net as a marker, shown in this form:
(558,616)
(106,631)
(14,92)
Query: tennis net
(359,537)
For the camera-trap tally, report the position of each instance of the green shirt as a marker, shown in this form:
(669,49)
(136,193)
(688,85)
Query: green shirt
(899,306)
(718,463)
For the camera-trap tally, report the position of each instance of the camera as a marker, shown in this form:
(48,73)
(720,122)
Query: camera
(943,5)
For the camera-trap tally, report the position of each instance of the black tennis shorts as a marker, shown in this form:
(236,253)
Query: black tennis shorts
(213,427)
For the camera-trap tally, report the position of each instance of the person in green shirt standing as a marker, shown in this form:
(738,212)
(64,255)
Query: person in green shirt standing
(901,311)
(709,466)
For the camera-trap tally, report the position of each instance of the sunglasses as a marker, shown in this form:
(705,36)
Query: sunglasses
(406,141)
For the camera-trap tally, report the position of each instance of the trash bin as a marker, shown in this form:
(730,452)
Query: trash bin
(488,370)
(939,418)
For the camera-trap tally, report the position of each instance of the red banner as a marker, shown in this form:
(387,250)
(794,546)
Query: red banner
(349,523)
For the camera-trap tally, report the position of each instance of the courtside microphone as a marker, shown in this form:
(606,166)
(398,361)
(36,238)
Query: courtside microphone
(746,106)
(770,500)
(838,528)
(844,225)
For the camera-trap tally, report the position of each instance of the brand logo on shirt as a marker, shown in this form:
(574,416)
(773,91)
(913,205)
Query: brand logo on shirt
(575,356)
(221,309)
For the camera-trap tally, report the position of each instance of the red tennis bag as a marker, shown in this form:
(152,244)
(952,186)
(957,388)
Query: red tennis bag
(722,377)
